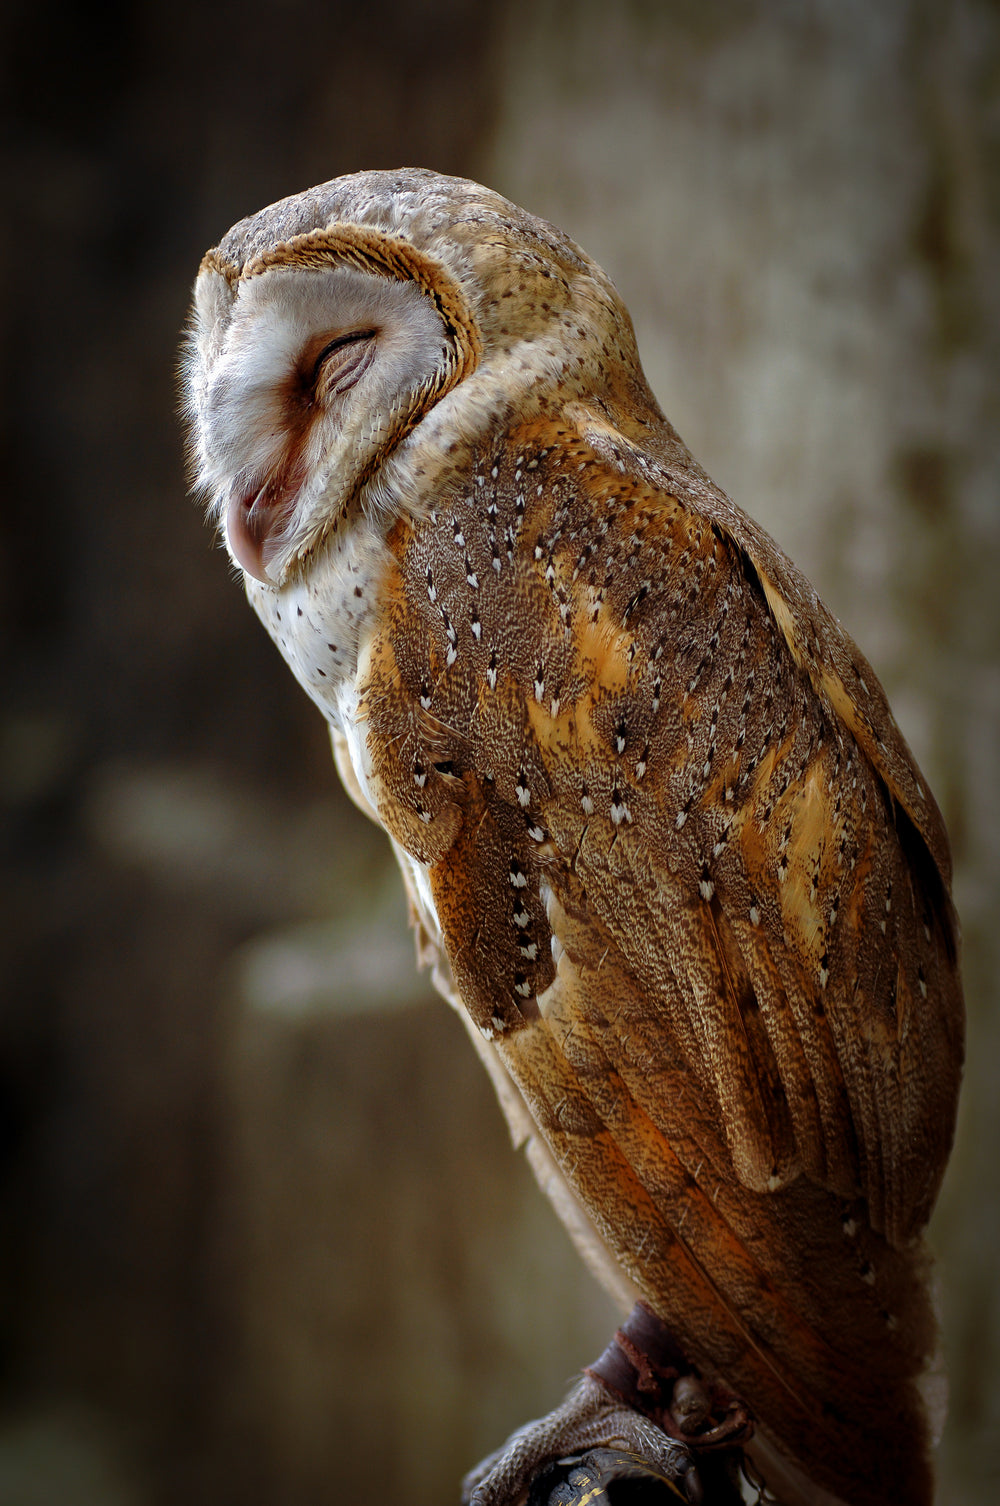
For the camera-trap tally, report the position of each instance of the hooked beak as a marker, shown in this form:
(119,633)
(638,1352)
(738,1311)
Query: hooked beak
(256,527)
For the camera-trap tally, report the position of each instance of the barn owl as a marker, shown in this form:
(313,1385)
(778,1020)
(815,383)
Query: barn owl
(666,849)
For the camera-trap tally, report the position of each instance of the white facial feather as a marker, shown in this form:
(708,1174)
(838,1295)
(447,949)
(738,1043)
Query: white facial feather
(245,360)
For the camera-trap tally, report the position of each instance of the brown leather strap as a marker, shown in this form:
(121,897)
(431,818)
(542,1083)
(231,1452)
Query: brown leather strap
(642,1362)
(641,1366)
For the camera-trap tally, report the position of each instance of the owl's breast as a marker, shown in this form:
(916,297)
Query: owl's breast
(323,621)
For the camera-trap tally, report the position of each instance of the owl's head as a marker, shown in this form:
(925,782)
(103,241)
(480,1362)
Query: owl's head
(351,346)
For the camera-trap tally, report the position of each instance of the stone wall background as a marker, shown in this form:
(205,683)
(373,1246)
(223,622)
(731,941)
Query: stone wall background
(261,1237)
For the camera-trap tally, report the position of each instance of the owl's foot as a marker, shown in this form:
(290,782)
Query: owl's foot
(640,1407)
(590,1419)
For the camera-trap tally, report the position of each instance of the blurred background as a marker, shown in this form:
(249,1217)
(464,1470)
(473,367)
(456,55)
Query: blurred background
(262,1238)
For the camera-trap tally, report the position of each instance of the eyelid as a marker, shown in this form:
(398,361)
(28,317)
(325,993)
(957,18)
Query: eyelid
(352,337)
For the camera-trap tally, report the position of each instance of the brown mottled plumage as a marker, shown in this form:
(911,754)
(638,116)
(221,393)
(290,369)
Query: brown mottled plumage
(664,841)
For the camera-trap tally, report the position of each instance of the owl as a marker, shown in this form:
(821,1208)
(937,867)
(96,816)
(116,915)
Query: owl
(665,847)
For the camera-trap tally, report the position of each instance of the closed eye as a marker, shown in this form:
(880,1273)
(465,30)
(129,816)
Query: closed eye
(342,361)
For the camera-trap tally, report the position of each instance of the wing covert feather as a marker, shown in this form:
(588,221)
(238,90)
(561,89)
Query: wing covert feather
(816,841)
